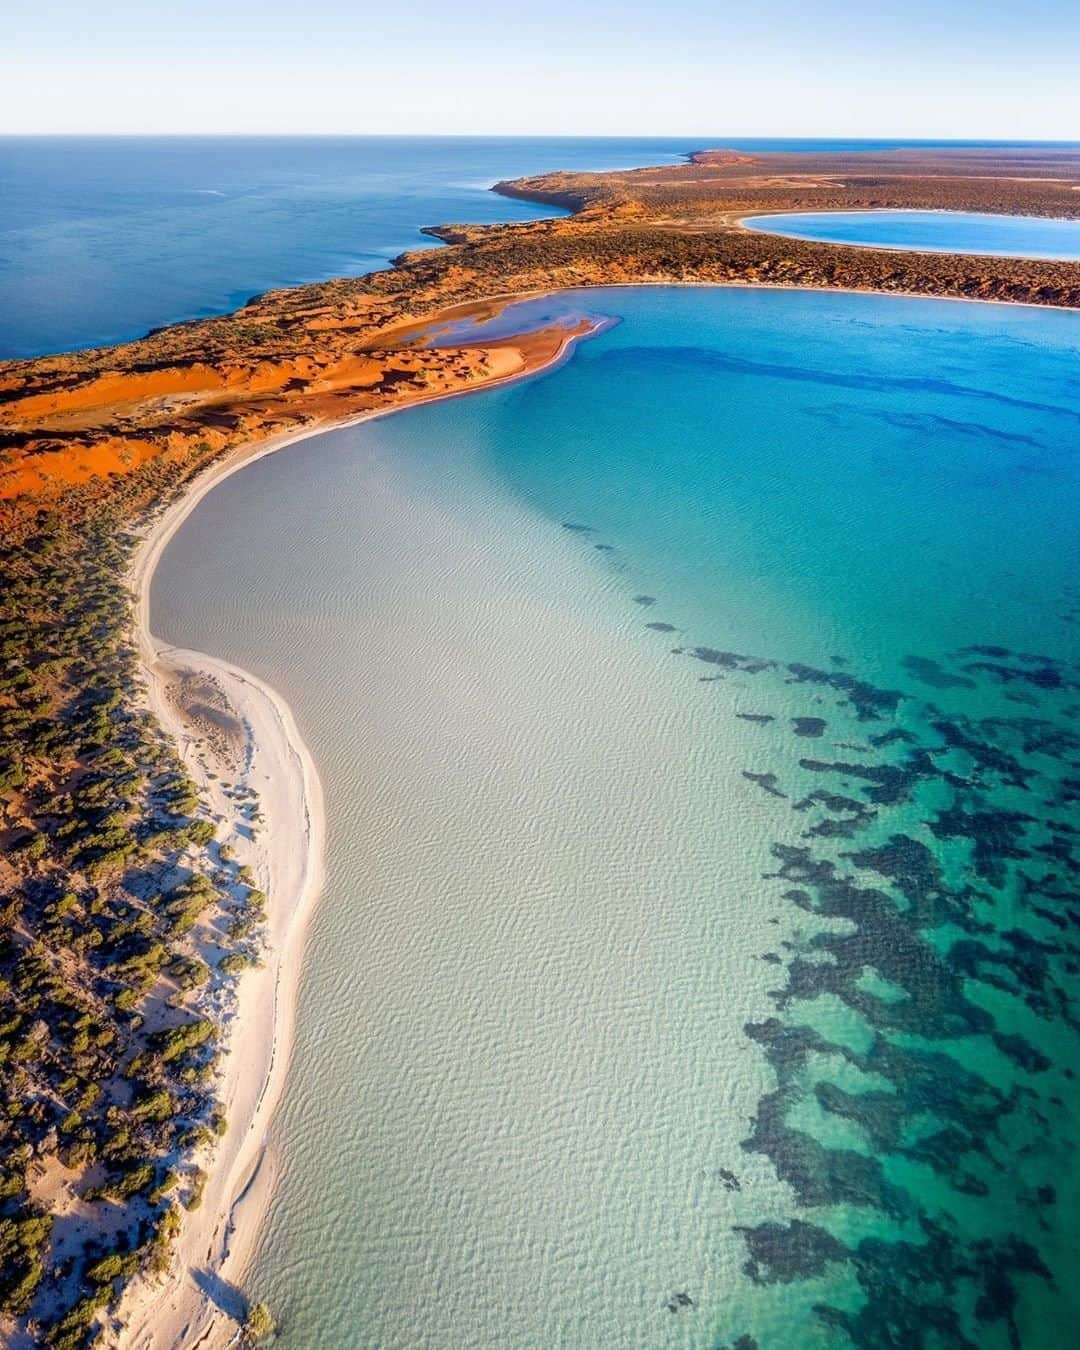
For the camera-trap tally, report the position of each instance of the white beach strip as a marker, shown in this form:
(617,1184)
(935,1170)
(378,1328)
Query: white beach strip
(217,1241)
(287,859)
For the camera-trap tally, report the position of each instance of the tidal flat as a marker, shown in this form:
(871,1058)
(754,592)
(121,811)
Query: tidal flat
(698,730)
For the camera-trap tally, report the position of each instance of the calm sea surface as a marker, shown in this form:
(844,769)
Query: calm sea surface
(698,723)
(103,238)
(933,231)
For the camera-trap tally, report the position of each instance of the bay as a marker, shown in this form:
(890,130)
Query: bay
(698,728)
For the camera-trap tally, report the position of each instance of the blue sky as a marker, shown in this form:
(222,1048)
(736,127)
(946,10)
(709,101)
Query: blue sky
(954,68)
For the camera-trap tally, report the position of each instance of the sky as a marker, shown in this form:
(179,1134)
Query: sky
(923,68)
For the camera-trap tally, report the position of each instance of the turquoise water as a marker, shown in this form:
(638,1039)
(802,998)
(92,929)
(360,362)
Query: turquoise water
(699,731)
(932,231)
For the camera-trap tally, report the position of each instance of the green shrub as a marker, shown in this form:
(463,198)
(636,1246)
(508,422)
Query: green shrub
(234,963)
(131,1182)
(258,1324)
(23,1242)
(176,1041)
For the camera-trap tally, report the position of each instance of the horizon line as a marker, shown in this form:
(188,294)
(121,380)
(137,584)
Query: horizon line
(539,135)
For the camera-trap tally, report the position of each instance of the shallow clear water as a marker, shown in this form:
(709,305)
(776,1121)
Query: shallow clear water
(932,231)
(698,726)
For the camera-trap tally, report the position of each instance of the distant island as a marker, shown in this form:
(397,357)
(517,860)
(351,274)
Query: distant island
(115,1002)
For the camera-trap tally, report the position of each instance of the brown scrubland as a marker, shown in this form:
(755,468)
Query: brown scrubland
(110,873)
(320,353)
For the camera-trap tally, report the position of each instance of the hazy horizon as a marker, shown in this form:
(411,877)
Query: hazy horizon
(708,139)
(931,73)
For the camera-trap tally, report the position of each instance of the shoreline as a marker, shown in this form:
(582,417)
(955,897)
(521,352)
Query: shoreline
(743,223)
(510,298)
(174,1311)
(838,290)
(217,1237)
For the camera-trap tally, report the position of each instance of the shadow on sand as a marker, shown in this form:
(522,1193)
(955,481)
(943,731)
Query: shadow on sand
(231,1300)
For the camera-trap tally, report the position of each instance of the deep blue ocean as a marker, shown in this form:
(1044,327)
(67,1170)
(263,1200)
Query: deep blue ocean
(102,238)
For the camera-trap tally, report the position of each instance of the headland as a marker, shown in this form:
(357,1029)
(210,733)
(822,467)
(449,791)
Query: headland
(316,355)
(92,443)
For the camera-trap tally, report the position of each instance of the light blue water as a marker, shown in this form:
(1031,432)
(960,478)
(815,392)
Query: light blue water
(932,231)
(698,403)
(698,722)
(104,238)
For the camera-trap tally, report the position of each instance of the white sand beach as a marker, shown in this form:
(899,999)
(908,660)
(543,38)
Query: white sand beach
(198,1301)
(287,862)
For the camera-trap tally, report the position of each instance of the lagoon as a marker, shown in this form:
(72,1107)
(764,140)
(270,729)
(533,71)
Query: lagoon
(105,237)
(697,723)
(931,232)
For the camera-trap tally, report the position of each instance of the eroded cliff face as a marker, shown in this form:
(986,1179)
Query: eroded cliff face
(74,424)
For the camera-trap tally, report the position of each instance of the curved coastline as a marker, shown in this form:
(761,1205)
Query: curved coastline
(286,1251)
(214,1248)
(176,1312)
(219,1239)
(257,1011)
(744,221)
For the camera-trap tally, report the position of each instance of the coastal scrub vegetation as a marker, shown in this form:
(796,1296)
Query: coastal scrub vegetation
(106,1062)
(108,864)
(258,1324)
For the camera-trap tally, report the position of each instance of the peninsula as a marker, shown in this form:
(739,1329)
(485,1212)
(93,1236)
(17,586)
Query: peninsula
(161,823)
(314,355)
